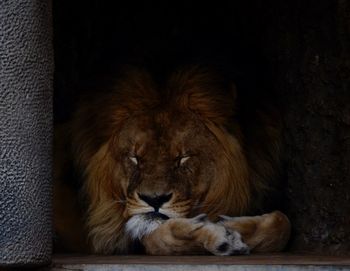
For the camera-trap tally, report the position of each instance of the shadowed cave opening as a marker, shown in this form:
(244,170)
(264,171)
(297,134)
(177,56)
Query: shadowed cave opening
(291,55)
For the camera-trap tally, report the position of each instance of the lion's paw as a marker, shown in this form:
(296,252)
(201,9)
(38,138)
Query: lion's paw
(223,242)
(184,228)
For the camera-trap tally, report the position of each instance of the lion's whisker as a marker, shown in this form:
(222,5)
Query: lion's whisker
(121,201)
(182,202)
(205,205)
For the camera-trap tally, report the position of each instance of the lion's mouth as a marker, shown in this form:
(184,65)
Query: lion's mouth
(174,209)
(156,215)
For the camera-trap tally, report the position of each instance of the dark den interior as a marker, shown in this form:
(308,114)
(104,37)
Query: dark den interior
(290,56)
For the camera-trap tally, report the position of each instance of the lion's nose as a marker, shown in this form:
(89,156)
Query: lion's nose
(157,201)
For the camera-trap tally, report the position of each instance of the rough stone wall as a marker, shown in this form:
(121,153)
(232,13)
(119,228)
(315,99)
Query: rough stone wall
(306,45)
(26,71)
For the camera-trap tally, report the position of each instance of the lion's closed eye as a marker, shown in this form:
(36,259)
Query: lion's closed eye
(183,160)
(134,159)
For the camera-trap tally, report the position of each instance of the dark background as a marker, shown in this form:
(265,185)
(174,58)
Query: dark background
(292,53)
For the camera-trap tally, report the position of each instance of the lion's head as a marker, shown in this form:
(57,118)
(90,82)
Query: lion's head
(173,149)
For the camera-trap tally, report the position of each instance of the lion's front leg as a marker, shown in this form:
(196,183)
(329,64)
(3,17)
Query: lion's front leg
(266,233)
(190,236)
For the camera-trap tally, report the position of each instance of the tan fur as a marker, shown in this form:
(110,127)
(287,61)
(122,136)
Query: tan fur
(269,232)
(190,116)
(188,236)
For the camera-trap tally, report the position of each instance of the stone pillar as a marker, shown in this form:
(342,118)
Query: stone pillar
(26,73)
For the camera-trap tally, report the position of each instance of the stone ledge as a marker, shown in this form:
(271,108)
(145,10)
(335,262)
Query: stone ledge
(273,262)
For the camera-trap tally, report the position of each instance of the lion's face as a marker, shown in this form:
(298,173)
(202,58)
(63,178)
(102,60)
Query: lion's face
(167,161)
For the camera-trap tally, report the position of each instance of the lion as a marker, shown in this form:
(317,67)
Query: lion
(166,169)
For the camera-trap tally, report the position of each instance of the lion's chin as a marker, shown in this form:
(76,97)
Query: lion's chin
(143,224)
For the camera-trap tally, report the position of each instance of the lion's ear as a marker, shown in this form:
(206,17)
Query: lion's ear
(204,93)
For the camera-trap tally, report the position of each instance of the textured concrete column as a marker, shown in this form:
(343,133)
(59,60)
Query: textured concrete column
(26,70)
